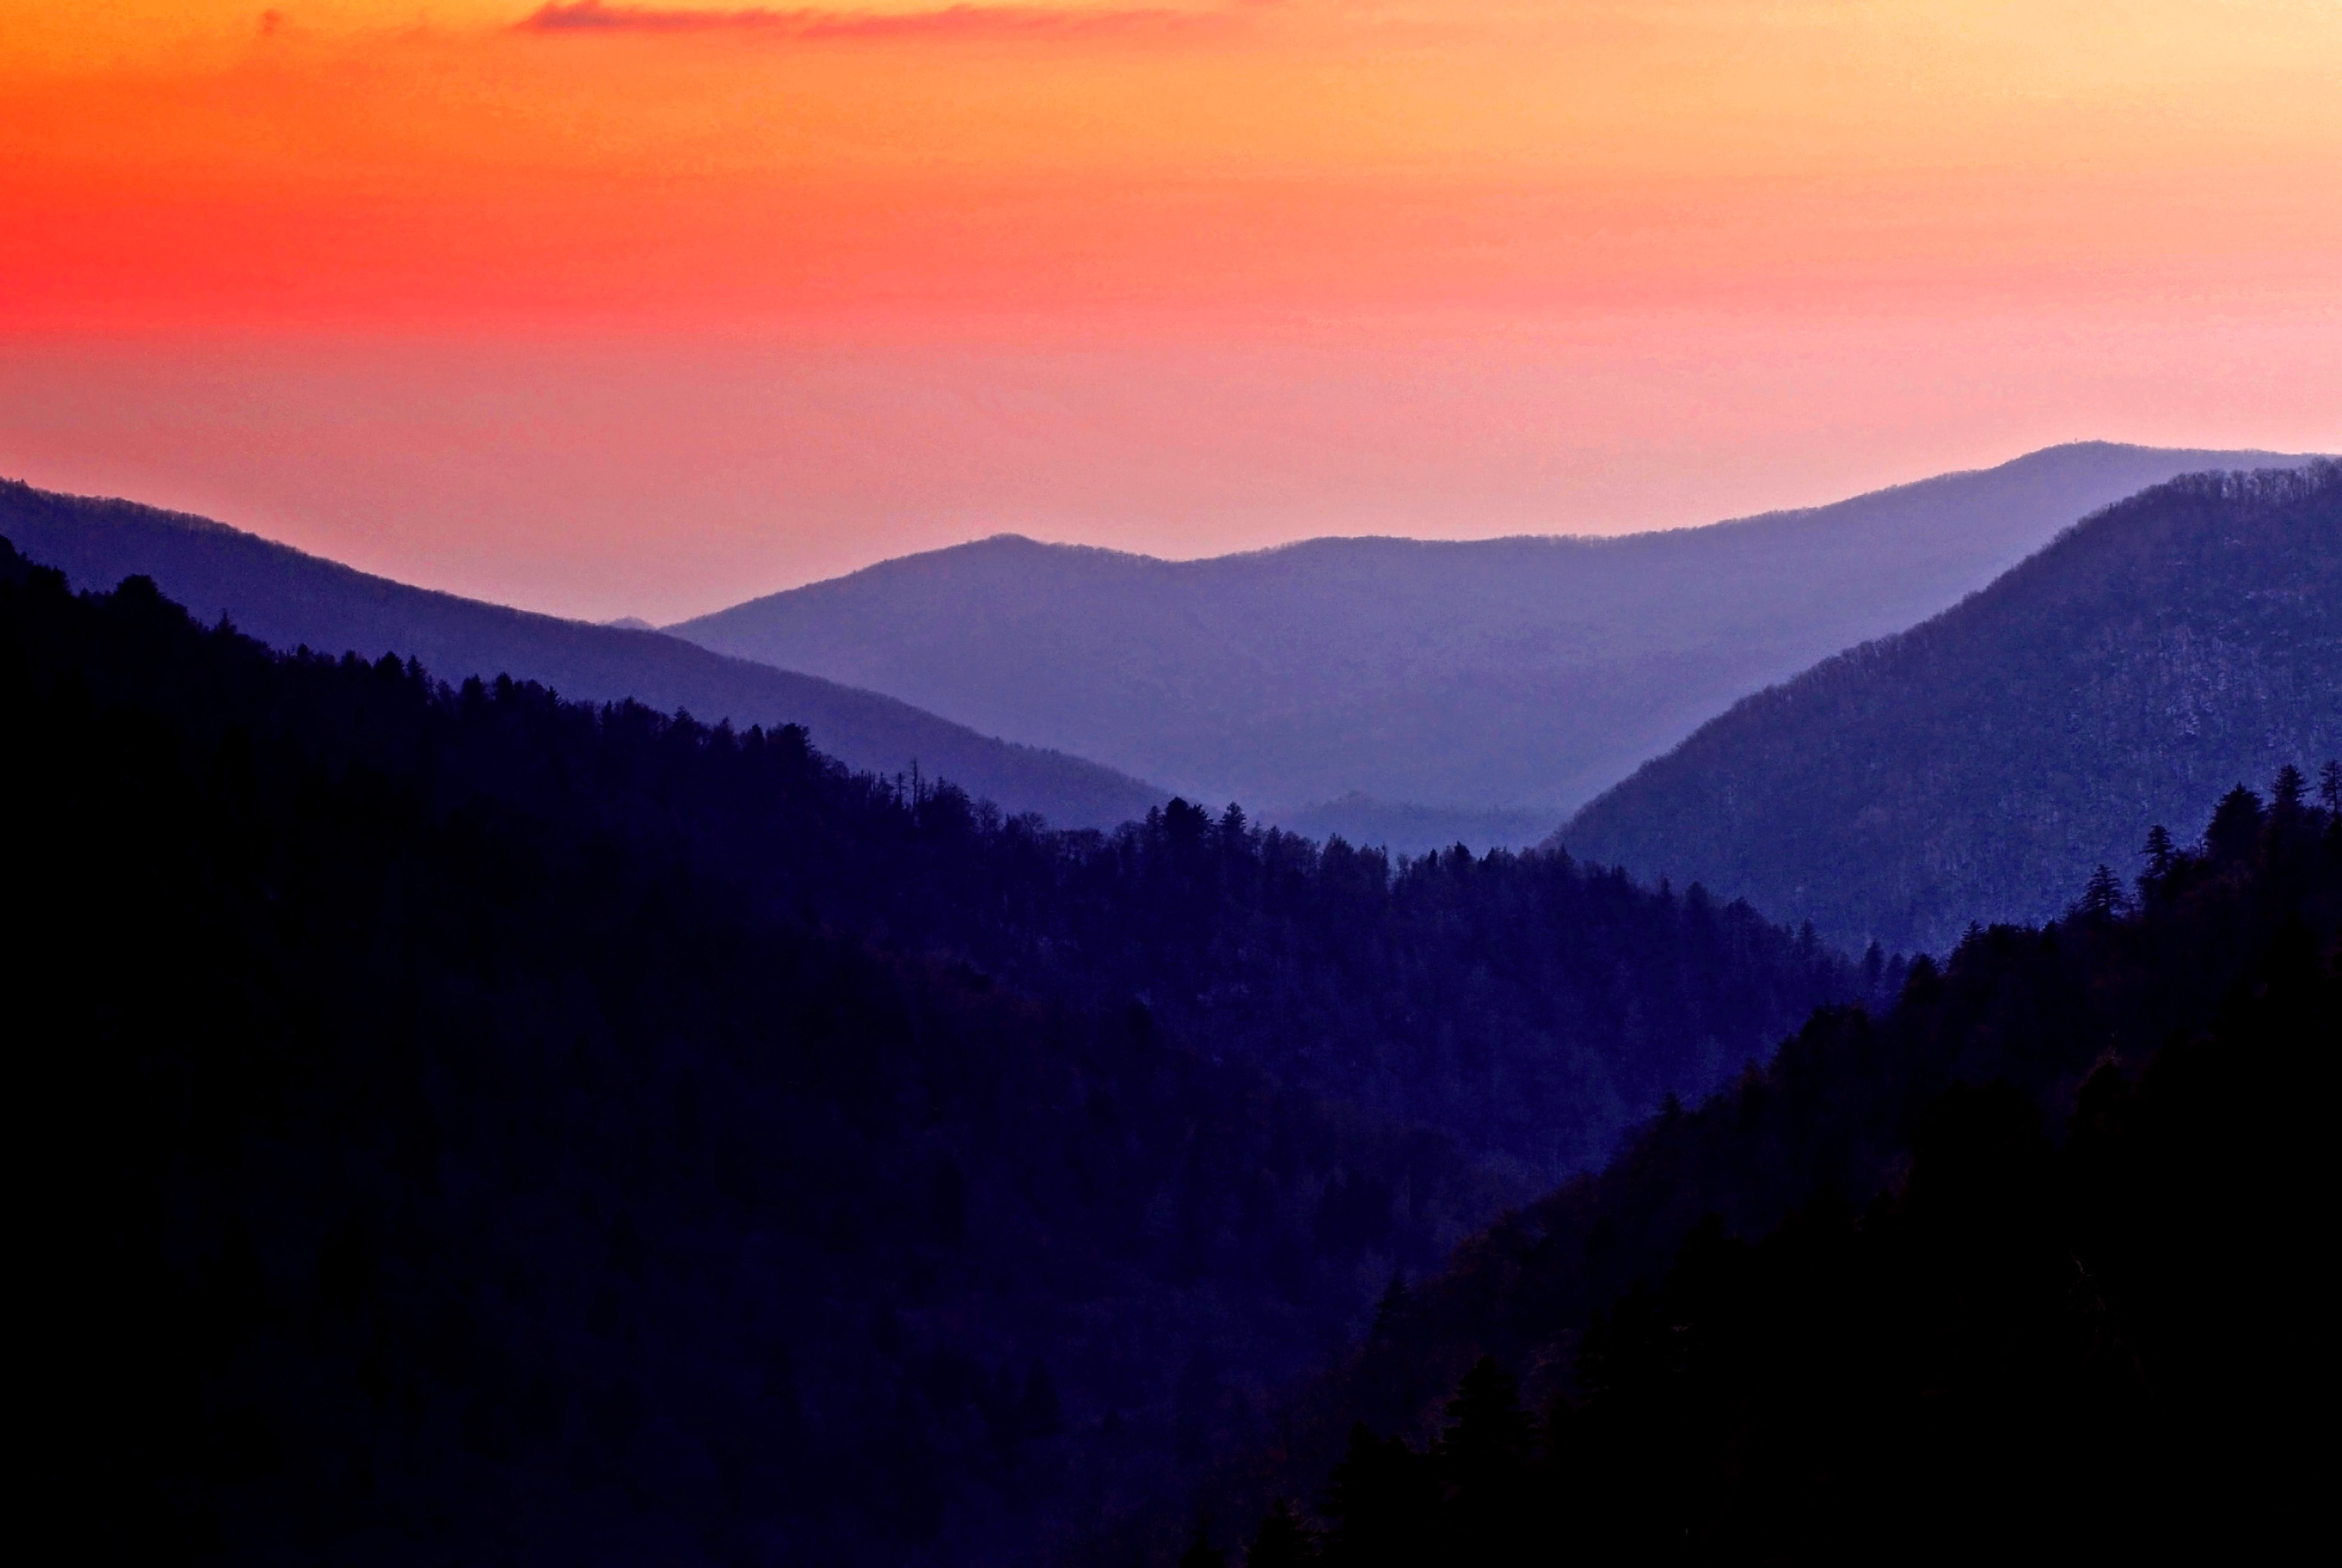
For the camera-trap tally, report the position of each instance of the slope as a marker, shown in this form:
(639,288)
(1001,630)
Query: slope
(477,1126)
(1860,1302)
(1526,673)
(290,599)
(1977,768)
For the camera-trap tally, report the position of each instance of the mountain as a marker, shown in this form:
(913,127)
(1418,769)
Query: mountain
(466,1125)
(1411,691)
(1977,766)
(2021,1256)
(290,599)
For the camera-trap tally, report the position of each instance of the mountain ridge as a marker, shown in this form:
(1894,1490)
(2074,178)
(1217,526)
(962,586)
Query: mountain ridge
(289,597)
(1679,1401)
(478,1116)
(1513,675)
(1976,766)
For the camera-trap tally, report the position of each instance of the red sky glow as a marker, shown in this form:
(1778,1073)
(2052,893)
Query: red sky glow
(634,309)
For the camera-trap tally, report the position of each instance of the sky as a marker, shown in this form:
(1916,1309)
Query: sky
(610,309)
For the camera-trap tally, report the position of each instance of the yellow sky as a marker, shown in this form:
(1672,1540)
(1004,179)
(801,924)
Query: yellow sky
(1929,139)
(1506,266)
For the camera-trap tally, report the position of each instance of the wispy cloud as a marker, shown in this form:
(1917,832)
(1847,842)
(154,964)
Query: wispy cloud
(973,23)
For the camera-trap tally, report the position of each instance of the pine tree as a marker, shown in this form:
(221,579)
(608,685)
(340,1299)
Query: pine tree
(1201,1553)
(1283,1541)
(1487,1444)
(1385,1497)
(2102,899)
(2235,826)
(1484,1455)
(2289,791)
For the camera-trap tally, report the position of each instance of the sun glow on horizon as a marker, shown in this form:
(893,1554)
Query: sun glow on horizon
(1563,236)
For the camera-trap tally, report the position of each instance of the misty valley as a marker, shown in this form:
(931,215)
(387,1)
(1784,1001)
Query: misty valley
(1803,1040)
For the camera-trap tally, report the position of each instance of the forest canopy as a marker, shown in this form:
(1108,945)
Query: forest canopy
(477,1124)
(2032,1256)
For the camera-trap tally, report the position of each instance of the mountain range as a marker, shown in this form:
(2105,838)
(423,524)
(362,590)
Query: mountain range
(1401,692)
(290,599)
(1979,766)
(1407,692)
(477,1126)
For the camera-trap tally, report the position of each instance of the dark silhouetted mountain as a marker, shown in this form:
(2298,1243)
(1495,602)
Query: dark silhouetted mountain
(1977,768)
(456,1124)
(289,599)
(1526,673)
(2026,1258)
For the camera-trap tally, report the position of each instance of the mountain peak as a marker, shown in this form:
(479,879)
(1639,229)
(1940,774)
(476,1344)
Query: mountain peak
(1529,672)
(1961,770)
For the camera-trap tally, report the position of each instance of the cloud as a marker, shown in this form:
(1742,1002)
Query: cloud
(972,23)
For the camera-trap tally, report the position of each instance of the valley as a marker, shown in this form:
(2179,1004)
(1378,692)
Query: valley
(521,1109)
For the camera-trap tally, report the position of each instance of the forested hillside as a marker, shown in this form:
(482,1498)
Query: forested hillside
(1402,691)
(2030,1256)
(289,599)
(461,1125)
(1979,766)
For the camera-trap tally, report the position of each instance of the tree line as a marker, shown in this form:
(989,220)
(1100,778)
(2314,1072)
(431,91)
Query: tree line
(459,1122)
(2066,1296)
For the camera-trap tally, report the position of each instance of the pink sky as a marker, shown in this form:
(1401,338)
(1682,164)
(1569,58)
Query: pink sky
(688,303)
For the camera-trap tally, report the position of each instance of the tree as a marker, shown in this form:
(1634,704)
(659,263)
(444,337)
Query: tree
(1487,1444)
(2102,899)
(1201,1553)
(2329,786)
(1484,1457)
(2235,826)
(2160,853)
(2288,790)
(1283,1540)
(1385,1498)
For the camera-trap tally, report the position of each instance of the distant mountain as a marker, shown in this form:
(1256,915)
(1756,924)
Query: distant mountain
(1979,766)
(290,599)
(1526,674)
(1415,829)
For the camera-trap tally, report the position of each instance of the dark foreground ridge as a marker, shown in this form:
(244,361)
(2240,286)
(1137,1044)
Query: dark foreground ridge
(2035,1256)
(289,599)
(457,1124)
(1978,765)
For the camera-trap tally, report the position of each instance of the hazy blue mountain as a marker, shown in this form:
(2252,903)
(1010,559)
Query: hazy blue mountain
(1407,829)
(1979,765)
(289,599)
(1521,674)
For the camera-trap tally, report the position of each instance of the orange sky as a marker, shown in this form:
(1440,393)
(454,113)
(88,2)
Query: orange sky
(2080,206)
